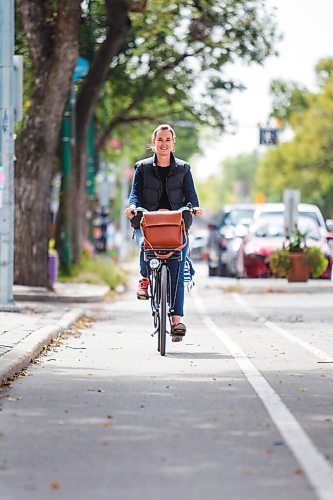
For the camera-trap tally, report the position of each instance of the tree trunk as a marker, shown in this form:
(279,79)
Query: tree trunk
(54,55)
(118,28)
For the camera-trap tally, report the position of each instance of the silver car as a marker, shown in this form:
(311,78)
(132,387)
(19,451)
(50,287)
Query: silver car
(225,237)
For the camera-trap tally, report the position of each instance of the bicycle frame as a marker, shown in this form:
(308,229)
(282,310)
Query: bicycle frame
(160,294)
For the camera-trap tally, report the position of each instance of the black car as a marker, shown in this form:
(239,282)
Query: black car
(225,236)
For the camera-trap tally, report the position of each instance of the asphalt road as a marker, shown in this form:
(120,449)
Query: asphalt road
(242,409)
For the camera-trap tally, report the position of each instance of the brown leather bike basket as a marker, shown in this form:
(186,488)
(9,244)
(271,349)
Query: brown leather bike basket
(162,230)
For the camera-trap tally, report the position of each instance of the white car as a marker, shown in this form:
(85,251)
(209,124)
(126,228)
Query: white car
(304,209)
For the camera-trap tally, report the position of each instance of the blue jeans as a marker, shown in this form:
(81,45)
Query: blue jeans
(173,264)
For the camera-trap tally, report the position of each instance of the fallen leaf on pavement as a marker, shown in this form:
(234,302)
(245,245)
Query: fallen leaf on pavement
(250,471)
(106,424)
(55,486)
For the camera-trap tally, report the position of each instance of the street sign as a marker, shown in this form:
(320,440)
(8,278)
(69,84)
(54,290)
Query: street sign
(81,69)
(268,136)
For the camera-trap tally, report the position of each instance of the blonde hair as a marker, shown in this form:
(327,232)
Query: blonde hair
(164,126)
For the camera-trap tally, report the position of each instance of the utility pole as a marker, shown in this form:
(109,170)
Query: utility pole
(7,155)
(123,251)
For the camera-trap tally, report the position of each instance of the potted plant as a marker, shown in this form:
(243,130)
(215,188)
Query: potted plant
(296,261)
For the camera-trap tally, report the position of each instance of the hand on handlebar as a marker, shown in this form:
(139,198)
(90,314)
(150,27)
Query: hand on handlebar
(197,211)
(132,211)
(129,212)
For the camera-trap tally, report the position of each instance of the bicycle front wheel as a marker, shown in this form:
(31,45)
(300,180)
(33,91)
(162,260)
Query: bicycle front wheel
(163,310)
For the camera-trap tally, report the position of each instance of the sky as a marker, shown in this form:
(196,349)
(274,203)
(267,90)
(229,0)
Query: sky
(306,26)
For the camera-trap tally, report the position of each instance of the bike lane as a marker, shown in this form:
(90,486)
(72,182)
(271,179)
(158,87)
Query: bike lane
(105,416)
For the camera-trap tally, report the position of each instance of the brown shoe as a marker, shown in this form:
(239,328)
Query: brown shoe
(178,332)
(142,291)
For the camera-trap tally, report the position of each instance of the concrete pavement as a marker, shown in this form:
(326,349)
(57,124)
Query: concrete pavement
(24,334)
(270,285)
(242,408)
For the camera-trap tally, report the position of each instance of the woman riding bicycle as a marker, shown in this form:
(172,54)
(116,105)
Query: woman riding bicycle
(163,182)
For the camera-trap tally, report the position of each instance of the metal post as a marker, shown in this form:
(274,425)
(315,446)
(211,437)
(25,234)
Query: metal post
(91,174)
(64,246)
(123,251)
(6,156)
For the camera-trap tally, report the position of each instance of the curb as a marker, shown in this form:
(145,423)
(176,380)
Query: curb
(37,294)
(29,348)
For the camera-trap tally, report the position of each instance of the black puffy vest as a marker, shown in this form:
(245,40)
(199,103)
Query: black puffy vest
(152,184)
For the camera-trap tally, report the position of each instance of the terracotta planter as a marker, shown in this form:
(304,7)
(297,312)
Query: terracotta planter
(300,270)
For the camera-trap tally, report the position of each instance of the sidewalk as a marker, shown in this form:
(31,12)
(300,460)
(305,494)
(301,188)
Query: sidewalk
(24,334)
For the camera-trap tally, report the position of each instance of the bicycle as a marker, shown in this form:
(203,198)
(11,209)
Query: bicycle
(159,275)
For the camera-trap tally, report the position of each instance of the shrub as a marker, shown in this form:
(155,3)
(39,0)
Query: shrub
(316,260)
(97,270)
(280,263)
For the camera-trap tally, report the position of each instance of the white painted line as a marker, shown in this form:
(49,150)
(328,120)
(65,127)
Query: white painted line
(324,356)
(316,468)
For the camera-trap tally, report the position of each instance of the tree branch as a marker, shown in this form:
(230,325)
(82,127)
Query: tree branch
(118,27)
(126,120)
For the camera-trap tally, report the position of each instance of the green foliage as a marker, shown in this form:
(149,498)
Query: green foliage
(235,183)
(316,260)
(240,169)
(97,270)
(289,101)
(296,242)
(280,260)
(280,263)
(153,78)
(210,192)
(306,162)
(170,69)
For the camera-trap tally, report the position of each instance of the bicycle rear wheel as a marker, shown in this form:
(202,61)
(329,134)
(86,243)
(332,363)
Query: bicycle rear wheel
(163,311)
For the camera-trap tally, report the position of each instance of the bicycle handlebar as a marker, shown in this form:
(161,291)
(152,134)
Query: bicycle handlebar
(188,207)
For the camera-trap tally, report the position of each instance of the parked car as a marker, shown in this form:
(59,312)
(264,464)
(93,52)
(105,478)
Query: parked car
(198,245)
(304,209)
(225,237)
(266,234)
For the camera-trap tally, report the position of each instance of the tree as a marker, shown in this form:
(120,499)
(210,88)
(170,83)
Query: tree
(239,174)
(51,29)
(115,31)
(306,162)
(153,76)
(158,60)
(235,182)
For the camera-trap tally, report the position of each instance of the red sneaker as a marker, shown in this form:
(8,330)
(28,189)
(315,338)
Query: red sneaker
(142,291)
